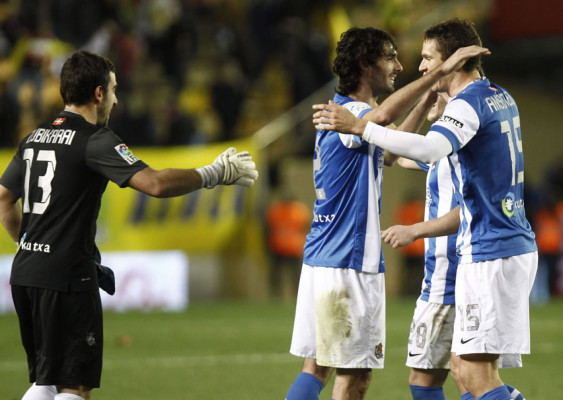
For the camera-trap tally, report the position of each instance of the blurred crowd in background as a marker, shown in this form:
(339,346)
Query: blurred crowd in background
(189,72)
(203,71)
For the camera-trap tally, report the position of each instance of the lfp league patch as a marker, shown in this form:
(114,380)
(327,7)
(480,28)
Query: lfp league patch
(125,153)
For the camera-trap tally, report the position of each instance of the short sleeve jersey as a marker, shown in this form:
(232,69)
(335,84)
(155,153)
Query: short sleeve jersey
(483,125)
(60,172)
(348,174)
(440,259)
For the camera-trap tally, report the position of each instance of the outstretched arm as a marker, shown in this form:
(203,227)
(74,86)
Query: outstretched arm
(403,235)
(229,168)
(167,182)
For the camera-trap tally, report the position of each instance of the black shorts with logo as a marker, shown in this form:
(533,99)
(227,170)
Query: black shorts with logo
(62,334)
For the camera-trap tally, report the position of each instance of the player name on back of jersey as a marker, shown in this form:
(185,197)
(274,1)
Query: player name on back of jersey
(55,136)
(500,101)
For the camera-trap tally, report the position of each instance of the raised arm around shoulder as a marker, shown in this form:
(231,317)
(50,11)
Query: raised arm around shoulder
(10,213)
(426,149)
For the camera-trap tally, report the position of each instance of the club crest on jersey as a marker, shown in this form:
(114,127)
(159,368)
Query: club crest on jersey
(511,204)
(508,205)
(125,153)
(59,121)
(450,120)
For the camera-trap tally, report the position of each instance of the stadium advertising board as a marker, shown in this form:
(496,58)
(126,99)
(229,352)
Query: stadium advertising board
(145,281)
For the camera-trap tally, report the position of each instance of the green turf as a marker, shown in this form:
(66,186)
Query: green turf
(237,350)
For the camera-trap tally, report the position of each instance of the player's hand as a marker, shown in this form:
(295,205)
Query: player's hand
(461,55)
(238,168)
(334,117)
(438,107)
(398,236)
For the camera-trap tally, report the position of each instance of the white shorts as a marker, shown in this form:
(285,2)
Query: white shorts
(340,318)
(430,339)
(492,300)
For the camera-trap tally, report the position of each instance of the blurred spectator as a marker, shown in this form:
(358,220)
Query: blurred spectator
(305,56)
(548,227)
(170,30)
(27,95)
(9,117)
(228,91)
(86,18)
(288,223)
(133,122)
(127,53)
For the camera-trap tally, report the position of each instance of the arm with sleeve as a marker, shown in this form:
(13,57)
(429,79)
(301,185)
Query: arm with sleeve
(455,128)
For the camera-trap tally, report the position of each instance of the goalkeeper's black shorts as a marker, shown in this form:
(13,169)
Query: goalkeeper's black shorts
(62,334)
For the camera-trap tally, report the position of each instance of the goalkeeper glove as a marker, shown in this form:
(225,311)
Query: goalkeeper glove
(230,168)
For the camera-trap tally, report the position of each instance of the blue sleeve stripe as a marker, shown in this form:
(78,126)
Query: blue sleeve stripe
(423,166)
(449,135)
(357,139)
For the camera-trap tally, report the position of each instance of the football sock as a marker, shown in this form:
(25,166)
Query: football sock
(515,393)
(305,387)
(427,393)
(68,396)
(499,393)
(41,392)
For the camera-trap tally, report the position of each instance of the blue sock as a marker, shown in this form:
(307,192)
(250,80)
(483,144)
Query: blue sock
(515,393)
(499,393)
(305,387)
(427,393)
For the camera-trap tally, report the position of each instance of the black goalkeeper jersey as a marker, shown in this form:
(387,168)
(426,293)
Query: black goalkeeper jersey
(60,172)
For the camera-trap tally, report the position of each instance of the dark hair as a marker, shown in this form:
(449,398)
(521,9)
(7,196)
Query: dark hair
(81,74)
(357,47)
(452,34)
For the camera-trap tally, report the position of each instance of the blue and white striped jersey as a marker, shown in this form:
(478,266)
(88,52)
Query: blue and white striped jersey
(440,259)
(348,173)
(483,125)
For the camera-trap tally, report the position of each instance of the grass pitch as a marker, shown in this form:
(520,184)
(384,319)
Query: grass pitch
(239,350)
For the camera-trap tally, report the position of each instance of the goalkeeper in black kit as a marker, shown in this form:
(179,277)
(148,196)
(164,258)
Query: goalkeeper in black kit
(60,172)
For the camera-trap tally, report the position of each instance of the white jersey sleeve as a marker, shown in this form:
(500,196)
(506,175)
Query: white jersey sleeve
(358,109)
(459,123)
